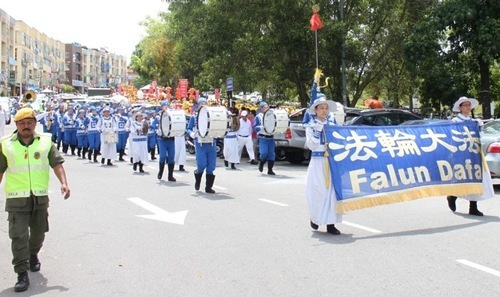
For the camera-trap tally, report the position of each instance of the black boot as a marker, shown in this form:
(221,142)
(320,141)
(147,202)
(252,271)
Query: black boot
(233,166)
(84,152)
(23,282)
(473,209)
(209,183)
(73,148)
(452,202)
(95,156)
(226,163)
(90,154)
(314,226)
(102,161)
(132,160)
(109,163)
(135,166)
(332,230)
(270,166)
(141,169)
(197,180)
(171,172)
(261,165)
(65,148)
(34,263)
(160,171)
(122,152)
(79,153)
(153,154)
(181,168)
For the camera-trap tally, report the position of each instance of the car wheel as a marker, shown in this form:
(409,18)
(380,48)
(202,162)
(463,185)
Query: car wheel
(280,154)
(295,157)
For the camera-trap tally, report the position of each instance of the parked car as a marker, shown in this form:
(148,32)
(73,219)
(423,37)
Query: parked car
(380,117)
(490,143)
(6,107)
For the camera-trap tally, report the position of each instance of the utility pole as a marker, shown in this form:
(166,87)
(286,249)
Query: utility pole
(342,55)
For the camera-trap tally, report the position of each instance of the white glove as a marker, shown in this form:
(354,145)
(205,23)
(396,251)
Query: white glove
(192,135)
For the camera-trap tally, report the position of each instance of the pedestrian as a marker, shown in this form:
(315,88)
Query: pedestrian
(464,107)
(245,137)
(81,125)
(123,134)
(26,158)
(94,133)
(266,141)
(109,137)
(320,192)
(68,122)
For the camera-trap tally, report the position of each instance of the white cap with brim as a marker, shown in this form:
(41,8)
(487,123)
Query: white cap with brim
(473,103)
(332,106)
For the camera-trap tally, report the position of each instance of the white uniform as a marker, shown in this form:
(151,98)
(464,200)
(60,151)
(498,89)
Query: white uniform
(180,150)
(320,198)
(231,149)
(107,125)
(488,190)
(140,143)
(245,138)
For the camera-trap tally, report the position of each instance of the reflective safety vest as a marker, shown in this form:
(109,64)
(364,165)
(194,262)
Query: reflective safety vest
(28,168)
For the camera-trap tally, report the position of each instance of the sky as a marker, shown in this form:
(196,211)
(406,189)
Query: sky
(111,24)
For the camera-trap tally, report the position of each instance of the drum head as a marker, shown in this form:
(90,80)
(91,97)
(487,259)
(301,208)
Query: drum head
(203,121)
(164,123)
(269,121)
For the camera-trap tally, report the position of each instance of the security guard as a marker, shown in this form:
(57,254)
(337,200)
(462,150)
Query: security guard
(26,158)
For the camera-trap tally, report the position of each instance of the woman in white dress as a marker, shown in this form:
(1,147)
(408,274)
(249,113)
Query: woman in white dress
(139,136)
(231,146)
(464,108)
(107,126)
(320,195)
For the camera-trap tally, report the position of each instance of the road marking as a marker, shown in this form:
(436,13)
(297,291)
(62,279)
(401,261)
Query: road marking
(361,227)
(158,213)
(273,202)
(479,267)
(220,188)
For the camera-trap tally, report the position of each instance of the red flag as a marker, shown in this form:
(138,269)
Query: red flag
(315,21)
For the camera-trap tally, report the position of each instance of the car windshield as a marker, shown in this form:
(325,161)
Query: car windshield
(492,127)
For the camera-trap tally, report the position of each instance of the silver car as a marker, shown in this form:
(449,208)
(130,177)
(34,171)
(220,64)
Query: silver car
(490,142)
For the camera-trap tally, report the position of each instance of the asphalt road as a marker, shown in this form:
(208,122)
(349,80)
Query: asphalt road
(127,234)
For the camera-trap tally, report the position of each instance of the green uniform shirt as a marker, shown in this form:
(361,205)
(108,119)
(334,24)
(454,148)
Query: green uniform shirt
(21,204)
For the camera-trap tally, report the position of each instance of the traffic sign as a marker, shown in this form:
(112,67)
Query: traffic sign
(229,84)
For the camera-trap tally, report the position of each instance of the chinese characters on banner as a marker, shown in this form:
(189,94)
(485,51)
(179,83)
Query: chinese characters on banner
(380,165)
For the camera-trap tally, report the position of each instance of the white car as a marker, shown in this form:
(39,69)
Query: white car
(6,104)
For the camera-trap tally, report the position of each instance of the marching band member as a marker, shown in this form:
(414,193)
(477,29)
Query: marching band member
(47,121)
(121,121)
(166,148)
(245,136)
(107,125)
(128,125)
(180,151)
(58,115)
(68,122)
(206,153)
(138,134)
(94,133)
(320,192)
(266,141)
(464,108)
(231,146)
(81,125)
(151,134)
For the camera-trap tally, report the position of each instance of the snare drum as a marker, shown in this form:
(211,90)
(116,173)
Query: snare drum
(275,121)
(172,123)
(212,121)
(110,137)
